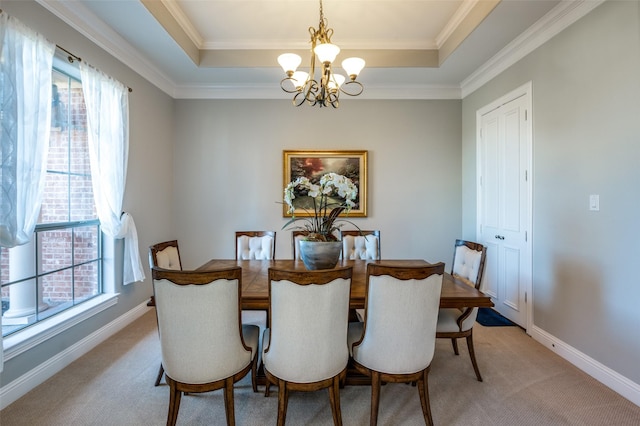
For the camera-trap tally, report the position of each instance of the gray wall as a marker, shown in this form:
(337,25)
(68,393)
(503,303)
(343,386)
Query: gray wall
(586,130)
(229,166)
(148,194)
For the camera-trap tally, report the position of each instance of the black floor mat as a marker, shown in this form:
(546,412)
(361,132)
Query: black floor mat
(490,318)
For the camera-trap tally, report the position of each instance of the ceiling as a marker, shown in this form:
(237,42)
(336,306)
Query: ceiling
(421,49)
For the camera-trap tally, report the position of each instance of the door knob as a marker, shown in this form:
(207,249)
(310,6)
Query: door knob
(500,237)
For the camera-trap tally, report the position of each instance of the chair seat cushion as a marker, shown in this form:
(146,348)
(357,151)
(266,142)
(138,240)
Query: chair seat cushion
(354,334)
(251,336)
(448,317)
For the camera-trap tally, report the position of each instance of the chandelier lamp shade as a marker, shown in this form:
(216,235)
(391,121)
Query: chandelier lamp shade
(325,89)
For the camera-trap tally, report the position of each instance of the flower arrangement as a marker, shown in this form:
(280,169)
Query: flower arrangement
(331,196)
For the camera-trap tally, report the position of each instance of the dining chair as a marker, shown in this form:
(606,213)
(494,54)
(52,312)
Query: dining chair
(259,245)
(255,245)
(360,244)
(203,343)
(396,341)
(468,266)
(296,236)
(165,255)
(305,346)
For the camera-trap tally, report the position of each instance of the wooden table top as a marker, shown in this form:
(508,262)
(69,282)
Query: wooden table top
(255,282)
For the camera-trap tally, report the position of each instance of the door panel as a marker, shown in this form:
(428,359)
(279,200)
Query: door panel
(489,279)
(491,206)
(512,278)
(511,169)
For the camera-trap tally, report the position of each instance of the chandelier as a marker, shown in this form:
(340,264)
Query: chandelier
(325,90)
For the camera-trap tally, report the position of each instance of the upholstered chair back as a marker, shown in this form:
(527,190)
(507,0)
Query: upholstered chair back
(360,245)
(309,312)
(296,237)
(165,255)
(255,245)
(400,318)
(468,262)
(468,266)
(199,324)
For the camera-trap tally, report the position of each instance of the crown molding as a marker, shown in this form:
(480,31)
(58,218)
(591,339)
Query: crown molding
(176,11)
(556,20)
(455,21)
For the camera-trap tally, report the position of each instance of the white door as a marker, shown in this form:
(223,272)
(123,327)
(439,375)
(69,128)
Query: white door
(504,202)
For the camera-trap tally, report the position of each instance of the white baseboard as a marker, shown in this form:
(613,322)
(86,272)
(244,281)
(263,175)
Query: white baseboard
(17,388)
(598,371)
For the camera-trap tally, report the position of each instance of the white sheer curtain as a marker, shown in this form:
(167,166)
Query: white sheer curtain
(25,115)
(107,105)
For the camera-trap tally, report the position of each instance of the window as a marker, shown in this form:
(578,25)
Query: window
(62,265)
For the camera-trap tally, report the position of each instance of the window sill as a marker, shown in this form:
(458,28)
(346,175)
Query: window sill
(30,337)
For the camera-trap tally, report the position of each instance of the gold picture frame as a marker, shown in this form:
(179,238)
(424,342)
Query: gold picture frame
(314,164)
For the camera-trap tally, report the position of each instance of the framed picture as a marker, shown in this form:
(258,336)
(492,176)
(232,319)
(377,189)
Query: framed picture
(314,164)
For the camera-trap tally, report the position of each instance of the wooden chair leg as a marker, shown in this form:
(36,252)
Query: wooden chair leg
(228,402)
(174,404)
(283,401)
(160,374)
(254,374)
(454,343)
(472,354)
(375,397)
(334,398)
(267,389)
(423,390)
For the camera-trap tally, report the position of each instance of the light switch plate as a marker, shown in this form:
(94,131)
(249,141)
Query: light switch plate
(594,202)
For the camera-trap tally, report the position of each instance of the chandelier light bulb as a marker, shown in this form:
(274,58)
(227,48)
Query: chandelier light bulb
(326,52)
(353,66)
(336,81)
(289,62)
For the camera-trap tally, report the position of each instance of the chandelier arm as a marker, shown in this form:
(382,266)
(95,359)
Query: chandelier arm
(328,32)
(293,82)
(298,99)
(358,87)
(333,99)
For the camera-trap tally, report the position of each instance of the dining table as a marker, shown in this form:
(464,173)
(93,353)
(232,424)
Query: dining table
(255,281)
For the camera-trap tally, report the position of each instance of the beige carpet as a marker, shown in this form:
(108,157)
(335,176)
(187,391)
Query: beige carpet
(525,384)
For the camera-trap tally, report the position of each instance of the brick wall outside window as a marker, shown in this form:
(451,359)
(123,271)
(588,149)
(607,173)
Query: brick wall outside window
(68,197)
